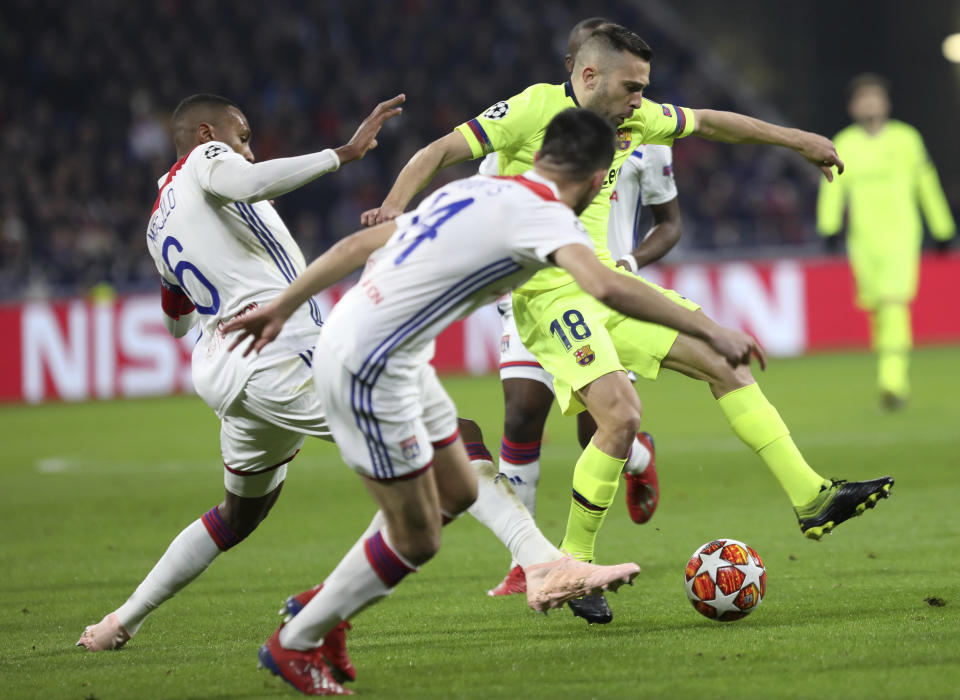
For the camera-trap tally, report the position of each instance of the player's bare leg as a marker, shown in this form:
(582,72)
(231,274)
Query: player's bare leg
(819,504)
(190,553)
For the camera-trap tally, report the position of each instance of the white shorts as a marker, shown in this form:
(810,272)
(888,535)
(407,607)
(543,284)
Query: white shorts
(265,426)
(386,430)
(516,362)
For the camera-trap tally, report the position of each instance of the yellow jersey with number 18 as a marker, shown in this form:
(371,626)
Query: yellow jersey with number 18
(514,128)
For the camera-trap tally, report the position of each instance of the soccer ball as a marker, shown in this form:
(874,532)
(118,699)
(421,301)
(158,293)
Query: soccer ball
(725,580)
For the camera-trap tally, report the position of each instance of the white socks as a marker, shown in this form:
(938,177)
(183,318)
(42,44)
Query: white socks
(369,572)
(498,507)
(638,460)
(524,479)
(188,555)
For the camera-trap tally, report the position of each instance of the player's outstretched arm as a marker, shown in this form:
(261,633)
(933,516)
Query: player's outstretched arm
(417,174)
(731,127)
(349,254)
(660,239)
(641,301)
(236,180)
(365,138)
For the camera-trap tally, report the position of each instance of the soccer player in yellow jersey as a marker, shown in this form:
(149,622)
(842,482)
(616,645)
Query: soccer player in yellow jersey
(890,179)
(585,345)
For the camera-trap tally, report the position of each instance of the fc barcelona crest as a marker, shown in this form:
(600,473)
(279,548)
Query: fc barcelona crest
(410,447)
(584,356)
(623,138)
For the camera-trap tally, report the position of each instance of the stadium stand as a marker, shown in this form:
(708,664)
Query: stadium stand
(87,90)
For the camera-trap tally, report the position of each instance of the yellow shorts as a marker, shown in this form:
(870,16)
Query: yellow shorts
(884,276)
(577,339)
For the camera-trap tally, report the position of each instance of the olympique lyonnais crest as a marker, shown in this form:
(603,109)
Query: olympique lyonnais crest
(504,342)
(584,356)
(410,447)
(623,139)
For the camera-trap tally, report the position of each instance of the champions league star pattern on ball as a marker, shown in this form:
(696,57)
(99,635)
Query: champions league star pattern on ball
(725,580)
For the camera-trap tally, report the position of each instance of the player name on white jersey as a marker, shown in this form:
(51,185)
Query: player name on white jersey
(227,257)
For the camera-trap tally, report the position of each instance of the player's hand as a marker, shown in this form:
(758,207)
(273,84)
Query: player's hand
(365,138)
(263,325)
(738,347)
(378,215)
(820,151)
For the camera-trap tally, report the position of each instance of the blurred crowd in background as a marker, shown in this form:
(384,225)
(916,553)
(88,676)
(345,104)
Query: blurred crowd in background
(88,89)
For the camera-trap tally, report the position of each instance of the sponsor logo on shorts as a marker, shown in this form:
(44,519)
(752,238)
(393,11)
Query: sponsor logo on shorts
(623,139)
(505,342)
(410,447)
(584,356)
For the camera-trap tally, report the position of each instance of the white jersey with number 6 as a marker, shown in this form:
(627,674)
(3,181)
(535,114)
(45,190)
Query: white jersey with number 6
(227,257)
(464,246)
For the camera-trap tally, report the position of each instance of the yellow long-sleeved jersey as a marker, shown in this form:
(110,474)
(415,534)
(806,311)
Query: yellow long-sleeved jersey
(888,180)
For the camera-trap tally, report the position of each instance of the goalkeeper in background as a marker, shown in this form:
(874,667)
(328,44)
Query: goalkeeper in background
(889,178)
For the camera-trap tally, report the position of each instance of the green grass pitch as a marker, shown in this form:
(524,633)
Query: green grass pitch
(92,494)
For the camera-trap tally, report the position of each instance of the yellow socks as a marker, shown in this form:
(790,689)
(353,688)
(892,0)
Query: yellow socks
(892,339)
(595,481)
(757,423)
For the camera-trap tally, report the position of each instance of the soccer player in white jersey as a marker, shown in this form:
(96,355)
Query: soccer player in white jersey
(466,244)
(222,250)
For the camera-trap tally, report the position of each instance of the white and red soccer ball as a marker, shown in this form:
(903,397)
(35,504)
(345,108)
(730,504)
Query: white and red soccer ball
(725,580)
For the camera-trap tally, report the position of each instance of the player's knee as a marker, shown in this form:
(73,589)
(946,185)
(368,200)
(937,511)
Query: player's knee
(469,430)
(420,546)
(725,378)
(525,411)
(242,524)
(243,515)
(523,421)
(621,420)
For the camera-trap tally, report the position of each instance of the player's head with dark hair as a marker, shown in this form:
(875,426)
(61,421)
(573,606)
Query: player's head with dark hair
(204,117)
(869,102)
(611,71)
(581,30)
(577,150)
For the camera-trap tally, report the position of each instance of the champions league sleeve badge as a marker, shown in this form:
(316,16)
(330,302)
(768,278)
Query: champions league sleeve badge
(497,111)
